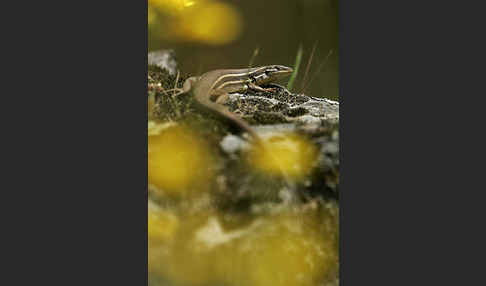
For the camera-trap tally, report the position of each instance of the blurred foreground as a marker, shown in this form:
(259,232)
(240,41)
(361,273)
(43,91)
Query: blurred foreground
(223,211)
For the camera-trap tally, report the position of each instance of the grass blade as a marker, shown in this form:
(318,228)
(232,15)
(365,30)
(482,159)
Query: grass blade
(253,57)
(298,59)
(318,70)
(308,67)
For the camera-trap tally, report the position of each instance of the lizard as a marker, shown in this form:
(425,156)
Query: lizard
(213,88)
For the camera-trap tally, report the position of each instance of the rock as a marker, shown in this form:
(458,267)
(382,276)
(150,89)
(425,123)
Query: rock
(283,107)
(232,144)
(164,59)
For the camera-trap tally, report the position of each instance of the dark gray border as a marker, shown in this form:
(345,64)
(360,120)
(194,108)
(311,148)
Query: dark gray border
(406,118)
(79,216)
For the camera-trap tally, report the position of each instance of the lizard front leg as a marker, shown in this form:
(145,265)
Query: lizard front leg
(259,88)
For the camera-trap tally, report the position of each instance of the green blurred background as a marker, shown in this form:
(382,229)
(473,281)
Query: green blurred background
(214,34)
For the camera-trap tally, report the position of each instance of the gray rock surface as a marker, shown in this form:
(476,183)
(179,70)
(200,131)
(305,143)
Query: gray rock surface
(164,59)
(284,107)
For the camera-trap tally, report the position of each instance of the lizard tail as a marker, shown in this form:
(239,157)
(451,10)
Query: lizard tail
(233,119)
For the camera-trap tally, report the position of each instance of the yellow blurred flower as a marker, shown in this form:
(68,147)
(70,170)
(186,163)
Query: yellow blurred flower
(172,261)
(288,155)
(171,6)
(178,161)
(161,225)
(214,23)
(289,249)
(206,21)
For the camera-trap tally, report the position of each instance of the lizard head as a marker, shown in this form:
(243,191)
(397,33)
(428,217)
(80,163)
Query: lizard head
(271,73)
(278,72)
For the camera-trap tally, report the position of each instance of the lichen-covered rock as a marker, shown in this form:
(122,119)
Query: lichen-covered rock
(283,107)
